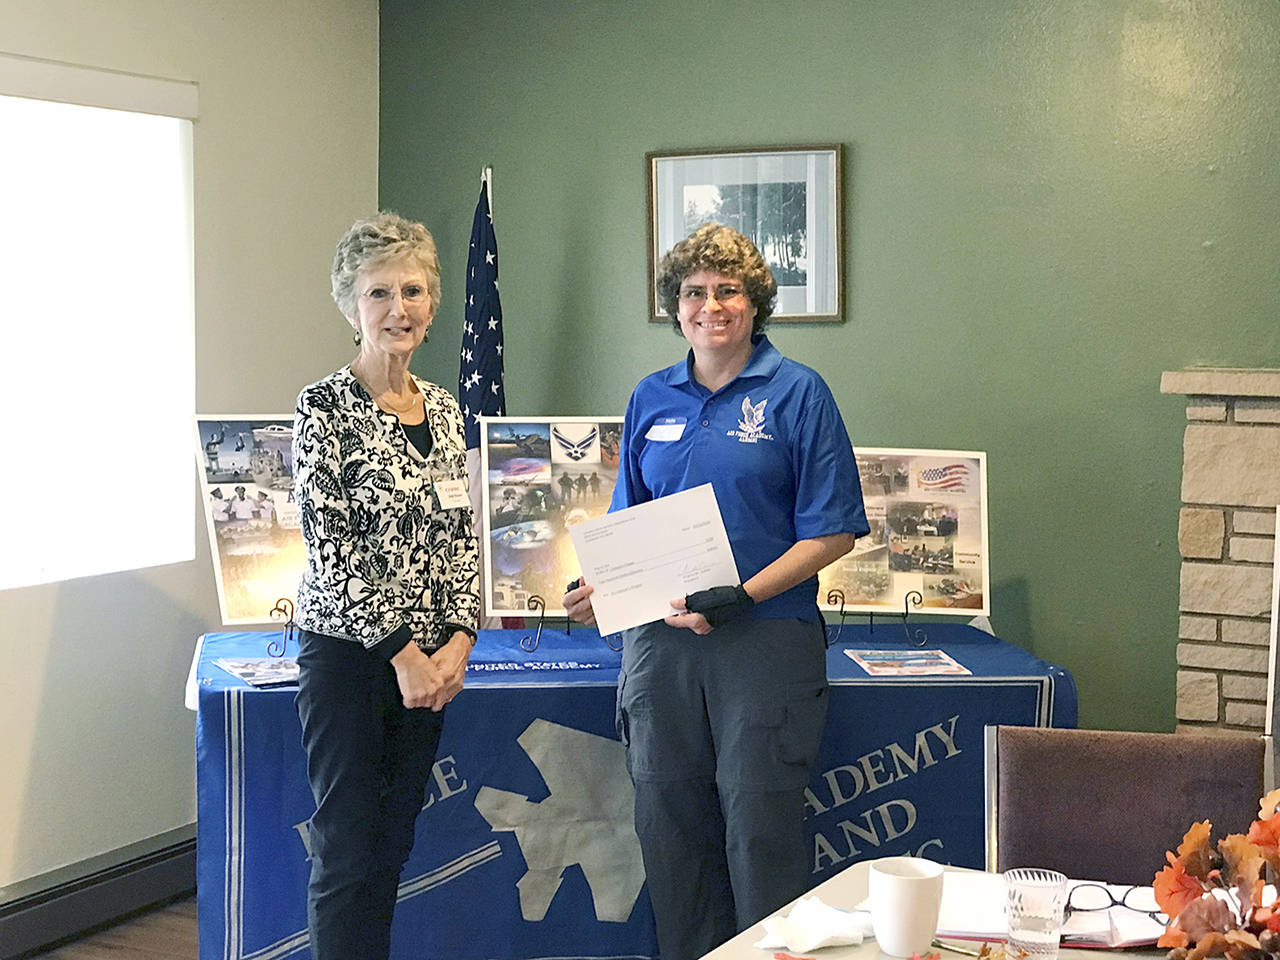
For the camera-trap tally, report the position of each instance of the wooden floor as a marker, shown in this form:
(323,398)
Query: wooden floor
(167,933)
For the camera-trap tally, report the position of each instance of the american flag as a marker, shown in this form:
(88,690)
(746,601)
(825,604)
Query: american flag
(480,389)
(953,476)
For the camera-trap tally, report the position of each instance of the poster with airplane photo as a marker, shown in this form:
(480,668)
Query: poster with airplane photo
(928,516)
(541,476)
(246,483)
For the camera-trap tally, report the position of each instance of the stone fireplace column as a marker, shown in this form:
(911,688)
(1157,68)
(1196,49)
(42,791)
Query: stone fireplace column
(1226,530)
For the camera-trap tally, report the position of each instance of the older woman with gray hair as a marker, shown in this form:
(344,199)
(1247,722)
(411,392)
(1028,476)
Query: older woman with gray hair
(721,705)
(388,602)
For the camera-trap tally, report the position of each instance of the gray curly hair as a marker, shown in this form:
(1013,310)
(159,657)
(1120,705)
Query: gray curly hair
(713,246)
(374,241)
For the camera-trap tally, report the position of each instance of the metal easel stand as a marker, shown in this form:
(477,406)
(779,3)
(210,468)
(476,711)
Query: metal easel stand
(527,643)
(836,596)
(919,637)
(283,608)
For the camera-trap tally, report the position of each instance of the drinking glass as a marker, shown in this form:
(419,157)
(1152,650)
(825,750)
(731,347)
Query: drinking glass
(1034,908)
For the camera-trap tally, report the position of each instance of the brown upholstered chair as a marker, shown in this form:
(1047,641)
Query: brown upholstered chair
(1106,805)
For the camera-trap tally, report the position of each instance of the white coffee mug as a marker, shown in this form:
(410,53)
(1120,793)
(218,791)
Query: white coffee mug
(906,893)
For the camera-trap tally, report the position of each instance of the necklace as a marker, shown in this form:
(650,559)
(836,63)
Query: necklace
(406,408)
(382,401)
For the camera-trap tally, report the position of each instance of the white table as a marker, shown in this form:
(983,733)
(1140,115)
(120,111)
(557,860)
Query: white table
(849,887)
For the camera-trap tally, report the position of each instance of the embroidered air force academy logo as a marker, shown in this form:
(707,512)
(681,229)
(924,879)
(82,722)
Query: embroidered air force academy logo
(751,426)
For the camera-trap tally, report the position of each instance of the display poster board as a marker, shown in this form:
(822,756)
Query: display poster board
(928,516)
(541,476)
(246,483)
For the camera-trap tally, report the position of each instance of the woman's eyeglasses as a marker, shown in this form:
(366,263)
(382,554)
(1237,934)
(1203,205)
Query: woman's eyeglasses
(1086,897)
(413,293)
(723,293)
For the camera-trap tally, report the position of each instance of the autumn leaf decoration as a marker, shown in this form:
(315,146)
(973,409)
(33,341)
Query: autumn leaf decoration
(1215,896)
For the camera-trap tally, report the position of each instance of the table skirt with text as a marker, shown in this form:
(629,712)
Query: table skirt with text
(525,845)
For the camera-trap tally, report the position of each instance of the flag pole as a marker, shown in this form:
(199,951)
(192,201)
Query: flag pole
(480,375)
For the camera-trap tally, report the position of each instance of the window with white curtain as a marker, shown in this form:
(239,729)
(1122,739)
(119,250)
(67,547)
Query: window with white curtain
(96,288)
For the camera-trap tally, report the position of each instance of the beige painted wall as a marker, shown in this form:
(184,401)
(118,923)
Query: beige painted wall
(96,749)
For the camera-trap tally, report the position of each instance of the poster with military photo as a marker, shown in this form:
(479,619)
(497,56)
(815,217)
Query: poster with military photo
(928,515)
(541,476)
(246,482)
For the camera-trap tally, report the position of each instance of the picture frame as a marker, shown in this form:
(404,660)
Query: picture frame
(787,199)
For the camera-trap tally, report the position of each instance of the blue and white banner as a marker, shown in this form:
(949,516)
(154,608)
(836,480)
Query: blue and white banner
(525,844)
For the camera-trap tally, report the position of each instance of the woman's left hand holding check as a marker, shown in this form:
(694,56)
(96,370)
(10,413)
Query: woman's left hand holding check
(689,621)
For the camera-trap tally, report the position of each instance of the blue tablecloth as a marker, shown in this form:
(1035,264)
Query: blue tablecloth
(525,847)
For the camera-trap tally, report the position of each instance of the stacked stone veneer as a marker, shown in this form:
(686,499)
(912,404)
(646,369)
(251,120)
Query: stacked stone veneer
(1226,531)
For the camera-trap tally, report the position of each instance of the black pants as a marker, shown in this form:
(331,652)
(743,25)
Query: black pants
(368,759)
(721,731)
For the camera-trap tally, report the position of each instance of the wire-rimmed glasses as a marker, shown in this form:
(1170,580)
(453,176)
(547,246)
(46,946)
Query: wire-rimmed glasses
(1086,897)
(697,296)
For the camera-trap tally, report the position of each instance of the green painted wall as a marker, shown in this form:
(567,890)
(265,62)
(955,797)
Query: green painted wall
(1046,205)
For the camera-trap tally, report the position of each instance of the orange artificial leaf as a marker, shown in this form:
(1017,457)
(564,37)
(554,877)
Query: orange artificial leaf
(1241,944)
(1194,853)
(1175,890)
(1244,938)
(1210,945)
(1172,937)
(1265,835)
(1267,805)
(1242,863)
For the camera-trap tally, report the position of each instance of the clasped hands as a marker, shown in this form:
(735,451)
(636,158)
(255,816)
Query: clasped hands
(701,611)
(432,680)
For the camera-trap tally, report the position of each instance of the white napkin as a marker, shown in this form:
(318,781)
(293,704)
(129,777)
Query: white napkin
(812,924)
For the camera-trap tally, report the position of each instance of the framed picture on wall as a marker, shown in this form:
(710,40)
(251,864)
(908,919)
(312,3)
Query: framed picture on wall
(786,199)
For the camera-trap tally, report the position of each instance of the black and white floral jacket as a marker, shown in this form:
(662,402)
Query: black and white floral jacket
(384,560)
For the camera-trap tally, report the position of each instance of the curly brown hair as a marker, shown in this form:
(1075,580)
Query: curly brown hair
(713,246)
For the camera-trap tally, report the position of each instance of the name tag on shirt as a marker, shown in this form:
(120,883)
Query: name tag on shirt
(665,430)
(452,494)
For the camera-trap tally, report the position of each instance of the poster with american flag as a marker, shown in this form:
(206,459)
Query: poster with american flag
(927,550)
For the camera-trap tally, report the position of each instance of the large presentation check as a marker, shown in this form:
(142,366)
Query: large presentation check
(641,558)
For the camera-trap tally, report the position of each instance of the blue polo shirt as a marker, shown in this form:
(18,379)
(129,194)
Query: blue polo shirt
(771,443)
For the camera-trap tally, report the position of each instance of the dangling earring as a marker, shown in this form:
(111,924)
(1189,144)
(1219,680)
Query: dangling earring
(356,338)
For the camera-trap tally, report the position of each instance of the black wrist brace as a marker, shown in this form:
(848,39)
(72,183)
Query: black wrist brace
(719,604)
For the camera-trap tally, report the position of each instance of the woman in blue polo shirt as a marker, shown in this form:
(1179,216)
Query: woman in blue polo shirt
(721,706)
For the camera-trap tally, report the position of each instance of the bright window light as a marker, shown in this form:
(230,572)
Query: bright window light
(98,391)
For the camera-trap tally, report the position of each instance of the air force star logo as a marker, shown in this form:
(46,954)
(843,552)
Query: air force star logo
(575,448)
(751,426)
